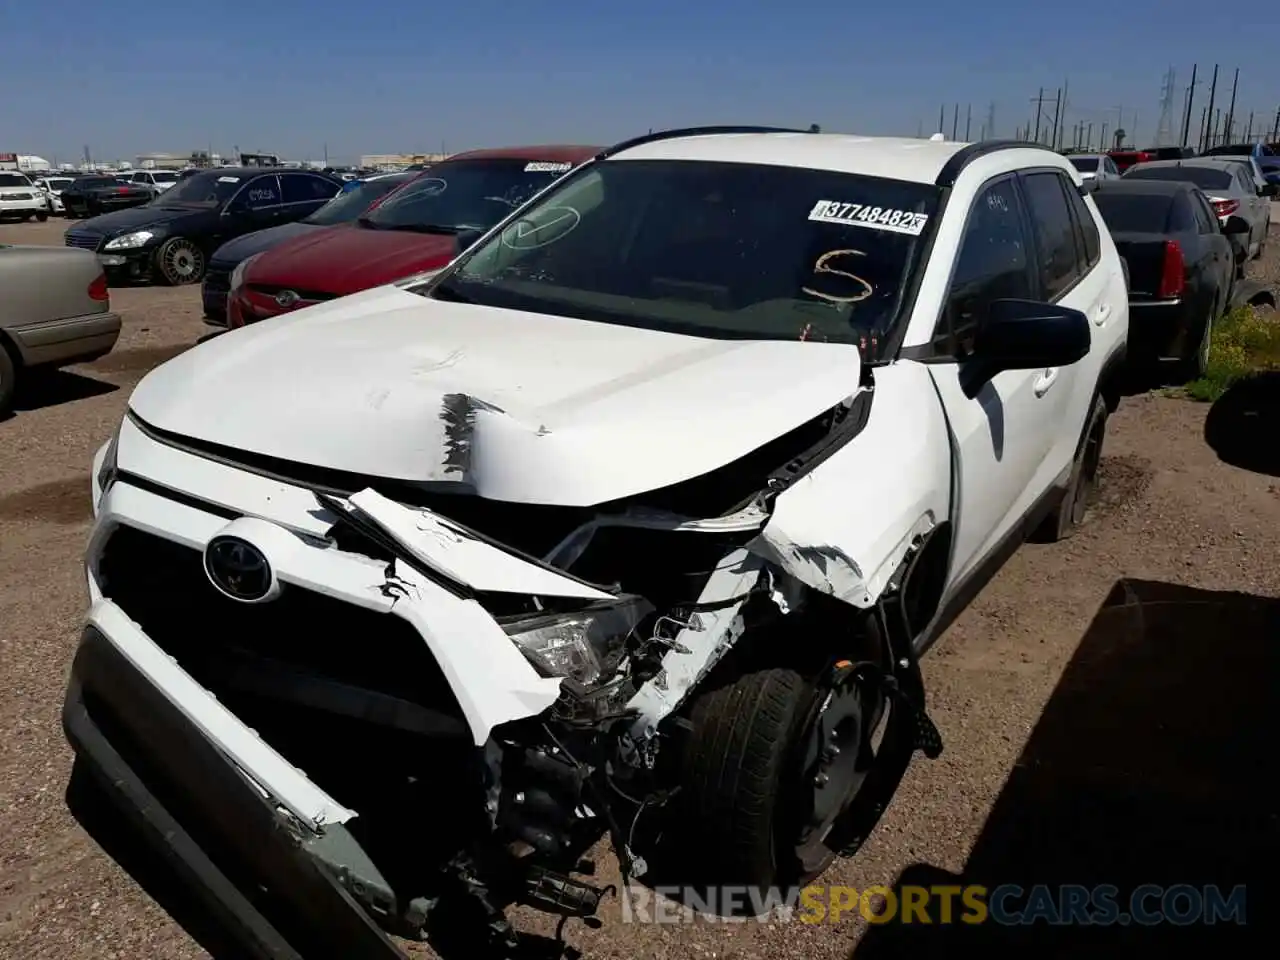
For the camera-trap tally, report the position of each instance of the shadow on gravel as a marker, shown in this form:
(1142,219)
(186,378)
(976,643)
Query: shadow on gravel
(138,360)
(49,388)
(1243,425)
(1151,764)
(64,502)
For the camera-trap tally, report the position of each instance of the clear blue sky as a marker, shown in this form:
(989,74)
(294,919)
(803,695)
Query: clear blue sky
(289,77)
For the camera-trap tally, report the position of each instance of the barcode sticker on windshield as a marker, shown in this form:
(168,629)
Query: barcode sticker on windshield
(865,215)
(542,166)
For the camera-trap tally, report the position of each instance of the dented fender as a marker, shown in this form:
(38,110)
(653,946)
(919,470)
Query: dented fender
(845,527)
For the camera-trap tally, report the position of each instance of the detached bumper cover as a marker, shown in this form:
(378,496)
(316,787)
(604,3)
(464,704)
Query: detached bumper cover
(227,843)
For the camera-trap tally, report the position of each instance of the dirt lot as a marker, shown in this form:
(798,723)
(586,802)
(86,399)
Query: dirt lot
(1101,701)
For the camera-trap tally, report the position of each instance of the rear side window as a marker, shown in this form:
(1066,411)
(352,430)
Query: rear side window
(1054,232)
(301,188)
(1181,219)
(1206,219)
(994,258)
(1089,241)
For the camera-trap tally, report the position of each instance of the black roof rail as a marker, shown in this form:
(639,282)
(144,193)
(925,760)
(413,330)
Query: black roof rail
(967,154)
(688,132)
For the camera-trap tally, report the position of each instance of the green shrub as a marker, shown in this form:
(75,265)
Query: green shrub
(1246,340)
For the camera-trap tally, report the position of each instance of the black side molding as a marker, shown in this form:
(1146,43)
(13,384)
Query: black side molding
(966,155)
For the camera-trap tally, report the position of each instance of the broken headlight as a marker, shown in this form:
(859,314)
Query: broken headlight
(585,646)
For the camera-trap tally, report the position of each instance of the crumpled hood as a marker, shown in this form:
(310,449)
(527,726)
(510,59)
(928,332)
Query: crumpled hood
(347,259)
(516,406)
(241,248)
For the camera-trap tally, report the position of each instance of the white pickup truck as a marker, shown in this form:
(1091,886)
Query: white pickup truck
(641,512)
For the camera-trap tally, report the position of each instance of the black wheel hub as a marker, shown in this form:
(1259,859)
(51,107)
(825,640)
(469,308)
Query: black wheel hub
(836,756)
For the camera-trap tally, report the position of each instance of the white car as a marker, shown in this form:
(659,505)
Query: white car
(1094,166)
(159,180)
(20,199)
(53,187)
(634,518)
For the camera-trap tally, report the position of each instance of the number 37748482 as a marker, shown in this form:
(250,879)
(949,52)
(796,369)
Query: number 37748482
(867,215)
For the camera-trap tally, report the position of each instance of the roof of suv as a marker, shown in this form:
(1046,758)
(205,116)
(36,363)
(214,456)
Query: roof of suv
(896,158)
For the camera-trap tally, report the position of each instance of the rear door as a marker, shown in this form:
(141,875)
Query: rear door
(1003,431)
(302,194)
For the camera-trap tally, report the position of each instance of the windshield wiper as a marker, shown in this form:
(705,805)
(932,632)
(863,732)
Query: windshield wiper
(450,293)
(431,228)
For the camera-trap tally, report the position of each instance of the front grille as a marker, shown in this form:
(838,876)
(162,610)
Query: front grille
(271,289)
(17,196)
(162,586)
(83,240)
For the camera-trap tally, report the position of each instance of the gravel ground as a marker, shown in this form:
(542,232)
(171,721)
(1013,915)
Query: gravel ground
(1076,741)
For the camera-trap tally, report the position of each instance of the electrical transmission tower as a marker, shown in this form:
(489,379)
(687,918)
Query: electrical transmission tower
(1164,131)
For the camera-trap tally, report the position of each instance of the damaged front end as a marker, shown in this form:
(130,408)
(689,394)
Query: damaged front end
(534,688)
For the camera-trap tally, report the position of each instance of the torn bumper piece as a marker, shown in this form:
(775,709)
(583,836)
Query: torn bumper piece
(242,856)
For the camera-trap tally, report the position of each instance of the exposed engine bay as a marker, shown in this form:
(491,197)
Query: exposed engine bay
(627,610)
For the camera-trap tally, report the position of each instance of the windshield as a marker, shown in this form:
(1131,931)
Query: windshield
(723,250)
(211,187)
(465,194)
(345,207)
(93,182)
(1206,178)
(1084,164)
(57,183)
(14,180)
(164,176)
(1134,212)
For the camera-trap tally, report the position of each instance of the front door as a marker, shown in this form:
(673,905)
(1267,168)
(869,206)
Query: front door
(1003,431)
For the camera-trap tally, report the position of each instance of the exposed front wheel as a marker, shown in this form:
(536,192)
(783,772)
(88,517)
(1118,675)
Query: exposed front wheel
(42,216)
(1070,513)
(772,762)
(179,262)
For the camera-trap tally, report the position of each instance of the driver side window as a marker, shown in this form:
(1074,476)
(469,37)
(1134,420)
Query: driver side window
(992,263)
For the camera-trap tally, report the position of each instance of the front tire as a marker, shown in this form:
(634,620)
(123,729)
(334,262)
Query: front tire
(42,216)
(179,262)
(1070,514)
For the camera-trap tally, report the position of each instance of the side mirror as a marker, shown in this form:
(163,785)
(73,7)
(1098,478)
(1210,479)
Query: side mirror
(1028,334)
(1235,226)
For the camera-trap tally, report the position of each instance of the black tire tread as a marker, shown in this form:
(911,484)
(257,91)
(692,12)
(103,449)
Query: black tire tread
(735,766)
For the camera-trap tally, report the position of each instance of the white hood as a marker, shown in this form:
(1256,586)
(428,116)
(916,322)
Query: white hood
(520,407)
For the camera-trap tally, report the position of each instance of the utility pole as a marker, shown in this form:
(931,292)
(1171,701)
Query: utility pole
(1231,110)
(1186,111)
(1133,131)
(1059,123)
(991,120)
(1204,128)
(942,118)
(326,154)
(955,121)
(968,122)
(1275,130)
(1213,93)
(1164,126)
(1088,137)
(1102,137)
(1248,134)
(1038,100)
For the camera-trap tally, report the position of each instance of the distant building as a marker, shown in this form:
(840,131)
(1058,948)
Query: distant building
(376,160)
(24,162)
(163,161)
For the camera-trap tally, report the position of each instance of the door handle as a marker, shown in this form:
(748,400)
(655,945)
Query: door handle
(1103,315)
(1045,381)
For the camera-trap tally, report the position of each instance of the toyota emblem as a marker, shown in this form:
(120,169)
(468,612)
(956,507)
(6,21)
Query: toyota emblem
(286,298)
(239,570)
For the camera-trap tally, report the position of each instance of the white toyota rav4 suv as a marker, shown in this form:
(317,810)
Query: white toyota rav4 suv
(633,521)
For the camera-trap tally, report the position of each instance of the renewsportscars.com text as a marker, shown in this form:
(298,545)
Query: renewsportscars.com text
(1008,905)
